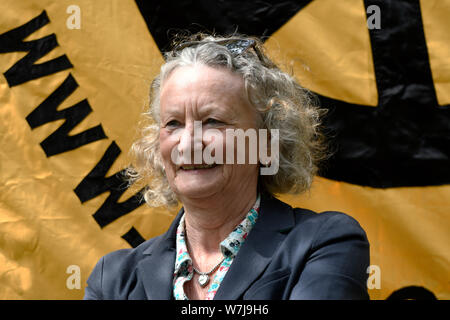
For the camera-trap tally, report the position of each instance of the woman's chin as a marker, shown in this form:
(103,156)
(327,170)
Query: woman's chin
(197,191)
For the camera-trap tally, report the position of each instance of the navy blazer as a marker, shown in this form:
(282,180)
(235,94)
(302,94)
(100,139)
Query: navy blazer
(289,254)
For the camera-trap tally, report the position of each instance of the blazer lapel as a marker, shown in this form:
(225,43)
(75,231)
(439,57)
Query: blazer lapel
(156,269)
(256,253)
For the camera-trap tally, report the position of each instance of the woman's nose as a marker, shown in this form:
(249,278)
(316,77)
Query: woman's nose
(186,140)
(191,142)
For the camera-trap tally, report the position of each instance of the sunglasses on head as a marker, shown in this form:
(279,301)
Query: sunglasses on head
(235,45)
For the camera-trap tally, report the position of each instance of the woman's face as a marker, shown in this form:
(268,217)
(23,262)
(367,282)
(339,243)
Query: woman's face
(215,99)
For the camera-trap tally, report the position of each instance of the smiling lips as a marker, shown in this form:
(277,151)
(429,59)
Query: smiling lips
(197,166)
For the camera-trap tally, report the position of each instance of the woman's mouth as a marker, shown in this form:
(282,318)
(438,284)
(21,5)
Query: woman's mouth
(198,166)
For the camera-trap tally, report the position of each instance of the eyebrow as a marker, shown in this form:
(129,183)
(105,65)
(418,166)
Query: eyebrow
(205,109)
(228,114)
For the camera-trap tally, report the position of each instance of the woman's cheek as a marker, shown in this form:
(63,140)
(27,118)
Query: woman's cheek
(214,146)
(166,144)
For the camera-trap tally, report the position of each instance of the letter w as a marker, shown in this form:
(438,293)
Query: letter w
(25,70)
(60,140)
(96,183)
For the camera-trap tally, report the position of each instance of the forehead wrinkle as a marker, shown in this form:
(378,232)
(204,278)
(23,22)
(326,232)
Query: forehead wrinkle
(202,89)
(201,76)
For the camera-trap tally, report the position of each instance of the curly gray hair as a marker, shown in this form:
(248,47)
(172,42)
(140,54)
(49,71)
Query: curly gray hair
(281,102)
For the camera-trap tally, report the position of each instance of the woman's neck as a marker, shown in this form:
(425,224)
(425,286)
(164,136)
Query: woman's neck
(210,221)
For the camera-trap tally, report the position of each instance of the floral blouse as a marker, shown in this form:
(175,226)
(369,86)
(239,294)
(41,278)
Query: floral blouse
(230,246)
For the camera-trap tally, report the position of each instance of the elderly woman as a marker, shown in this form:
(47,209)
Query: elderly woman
(232,239)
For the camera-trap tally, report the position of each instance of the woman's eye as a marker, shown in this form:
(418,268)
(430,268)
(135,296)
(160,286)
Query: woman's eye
(212,121)
(173,123)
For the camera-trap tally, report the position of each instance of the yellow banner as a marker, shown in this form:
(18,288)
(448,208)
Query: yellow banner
(44,227)
(75,79)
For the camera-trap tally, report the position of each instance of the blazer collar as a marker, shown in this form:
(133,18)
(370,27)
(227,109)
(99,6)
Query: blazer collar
(157,267)
(275,219)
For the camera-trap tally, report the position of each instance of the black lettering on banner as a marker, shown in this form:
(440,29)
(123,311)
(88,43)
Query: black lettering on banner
(133,237)
(60,140)
(412,293)
(225,17)
(25,70)
(95,183)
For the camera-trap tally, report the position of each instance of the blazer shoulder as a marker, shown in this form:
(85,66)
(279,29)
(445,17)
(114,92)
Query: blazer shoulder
(127,257)
(339,223)
(303,215)
(335,254)
(323,225)
(115,270)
